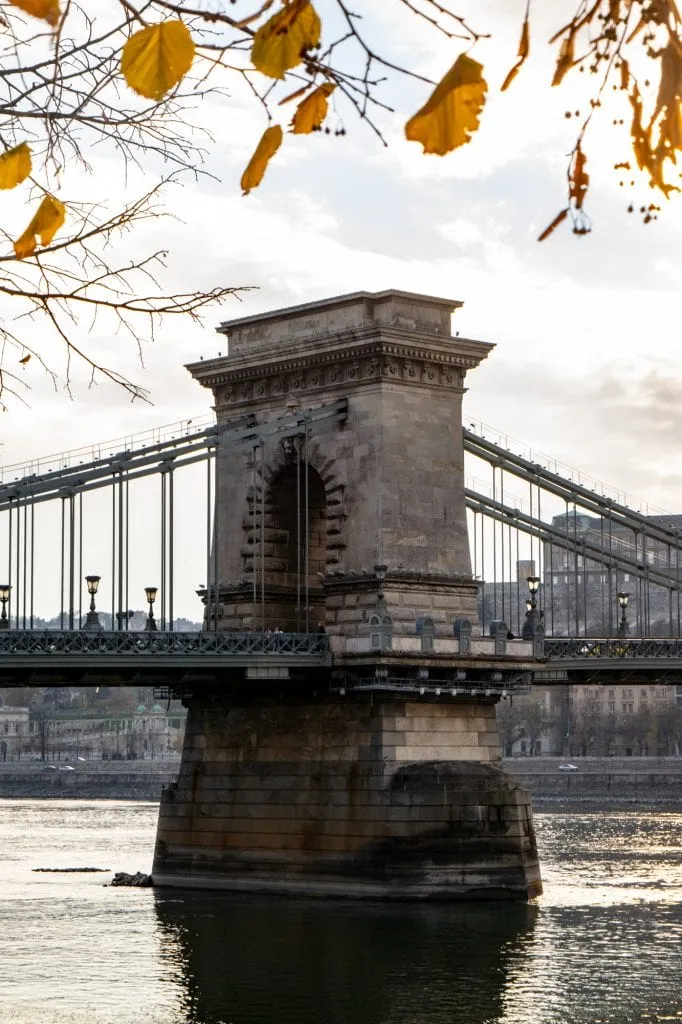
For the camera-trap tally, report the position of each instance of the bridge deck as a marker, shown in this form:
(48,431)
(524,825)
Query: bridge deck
(31,655)
(78,651)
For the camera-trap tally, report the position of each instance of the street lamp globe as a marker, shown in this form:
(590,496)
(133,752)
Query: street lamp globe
(5,589)
(623,625)
(93,584)
(92,619)
(150,624)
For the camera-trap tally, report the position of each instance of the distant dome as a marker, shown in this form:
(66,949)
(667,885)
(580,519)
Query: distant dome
(140,708)
(157,707)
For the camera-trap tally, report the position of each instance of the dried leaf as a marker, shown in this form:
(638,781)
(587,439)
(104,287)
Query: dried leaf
(523,51)
(642,145)
(624,74)
(669,99)
(48,10)
(641,24)
(555,224)
(270,142)
(48,218)
(15,165)
(661,139)
(578,178)
(255,15)
(311,112)
(157,57)
(566,57)
(282,41)
(451,113)
(294,95)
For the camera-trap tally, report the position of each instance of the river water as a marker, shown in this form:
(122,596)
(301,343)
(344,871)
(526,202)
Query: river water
(604,943)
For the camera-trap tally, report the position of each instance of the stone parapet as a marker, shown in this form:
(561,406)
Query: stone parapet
(483,647)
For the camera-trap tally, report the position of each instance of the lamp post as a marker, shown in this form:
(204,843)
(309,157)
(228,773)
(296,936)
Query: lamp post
(123,618)
(92,620)
(623,625)
(5,589)
(531,622)
(150,624)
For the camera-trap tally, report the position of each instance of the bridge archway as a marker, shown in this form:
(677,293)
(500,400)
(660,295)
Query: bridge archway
(295,549)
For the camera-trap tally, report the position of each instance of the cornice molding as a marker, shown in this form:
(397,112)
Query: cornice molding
(405,360)
(463,352)
(340,581)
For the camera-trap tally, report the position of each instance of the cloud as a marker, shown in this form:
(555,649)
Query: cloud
(616,423)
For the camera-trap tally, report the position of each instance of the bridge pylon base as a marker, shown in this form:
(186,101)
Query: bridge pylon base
(398,799)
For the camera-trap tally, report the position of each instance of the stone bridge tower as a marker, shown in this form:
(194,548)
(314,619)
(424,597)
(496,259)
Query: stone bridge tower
(385,495)
(379,774)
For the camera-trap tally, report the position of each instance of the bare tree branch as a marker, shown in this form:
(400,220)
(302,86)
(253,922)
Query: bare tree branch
(63,93)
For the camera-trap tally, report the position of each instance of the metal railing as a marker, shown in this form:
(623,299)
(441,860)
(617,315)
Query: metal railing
(71,643)
(558,648)
(57,643)
(513,684)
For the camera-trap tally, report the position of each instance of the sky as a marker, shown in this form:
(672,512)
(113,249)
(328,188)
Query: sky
(588,356)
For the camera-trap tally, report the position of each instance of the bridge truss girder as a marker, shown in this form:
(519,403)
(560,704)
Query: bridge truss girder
(544,532)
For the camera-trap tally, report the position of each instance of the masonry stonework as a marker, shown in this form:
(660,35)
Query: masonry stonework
(391,479)
(392,799)
(380,773)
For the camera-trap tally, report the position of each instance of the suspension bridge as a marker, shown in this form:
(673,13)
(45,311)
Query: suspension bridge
(371,578)
(588,552)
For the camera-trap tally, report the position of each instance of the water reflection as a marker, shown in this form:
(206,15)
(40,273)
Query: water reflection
(603,943)
(247,961)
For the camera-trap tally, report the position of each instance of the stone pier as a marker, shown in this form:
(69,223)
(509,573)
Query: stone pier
(379,774)
(336,798)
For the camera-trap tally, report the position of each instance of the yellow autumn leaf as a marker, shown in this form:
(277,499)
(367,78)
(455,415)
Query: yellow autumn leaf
(47,220)
(311,112)
(270,141)
(280,43)
(157,57)
(48,10)
(451,113)
(15,165)
(523,51)
(566,58)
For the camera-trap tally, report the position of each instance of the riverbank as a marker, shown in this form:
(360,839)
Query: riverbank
(89,780)
(603,780)
(600,780)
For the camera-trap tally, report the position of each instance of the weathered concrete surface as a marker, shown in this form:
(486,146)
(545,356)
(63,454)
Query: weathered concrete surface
(391,799)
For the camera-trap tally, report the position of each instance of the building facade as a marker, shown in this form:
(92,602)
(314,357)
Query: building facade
(14,731)
(579,593)
(147,733)
(619,719)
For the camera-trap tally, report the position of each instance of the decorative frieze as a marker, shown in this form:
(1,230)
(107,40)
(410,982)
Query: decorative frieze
(237,385)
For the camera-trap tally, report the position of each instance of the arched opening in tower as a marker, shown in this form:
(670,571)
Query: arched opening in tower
(295,550)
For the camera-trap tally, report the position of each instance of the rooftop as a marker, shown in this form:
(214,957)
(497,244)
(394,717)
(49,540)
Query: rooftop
(351,299)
